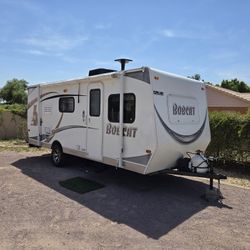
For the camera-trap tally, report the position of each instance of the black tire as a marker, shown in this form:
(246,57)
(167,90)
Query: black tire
(57,155)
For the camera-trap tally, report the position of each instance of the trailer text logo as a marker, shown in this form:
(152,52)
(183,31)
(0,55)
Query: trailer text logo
(183,110)
(115,130)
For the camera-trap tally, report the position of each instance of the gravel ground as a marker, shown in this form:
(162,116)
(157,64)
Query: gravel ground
(131,212)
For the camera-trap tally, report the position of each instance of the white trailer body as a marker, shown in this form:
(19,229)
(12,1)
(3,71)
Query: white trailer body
(164,116)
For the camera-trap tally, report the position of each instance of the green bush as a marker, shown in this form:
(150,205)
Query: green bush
(230,137)
(17,109)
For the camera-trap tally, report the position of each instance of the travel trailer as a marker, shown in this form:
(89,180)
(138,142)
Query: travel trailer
(142,119)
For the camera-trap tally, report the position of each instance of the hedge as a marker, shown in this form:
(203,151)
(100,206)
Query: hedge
(17,109)
(15,125)
(230,137)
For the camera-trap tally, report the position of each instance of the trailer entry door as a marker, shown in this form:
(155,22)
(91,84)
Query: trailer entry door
(95,121)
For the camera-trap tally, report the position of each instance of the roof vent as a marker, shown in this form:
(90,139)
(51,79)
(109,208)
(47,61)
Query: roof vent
(123,61)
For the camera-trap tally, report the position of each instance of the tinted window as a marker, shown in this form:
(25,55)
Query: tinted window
(95,102)
(114,108)
(67,104)
(129,108)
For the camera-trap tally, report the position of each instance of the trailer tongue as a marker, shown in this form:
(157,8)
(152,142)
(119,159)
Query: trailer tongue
(204,169)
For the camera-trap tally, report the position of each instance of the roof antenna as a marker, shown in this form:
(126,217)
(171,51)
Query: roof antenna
(123,61)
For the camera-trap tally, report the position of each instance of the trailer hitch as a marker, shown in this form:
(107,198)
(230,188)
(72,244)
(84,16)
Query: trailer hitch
(212,193)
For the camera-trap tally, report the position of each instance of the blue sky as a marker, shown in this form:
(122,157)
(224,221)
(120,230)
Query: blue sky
(43,41)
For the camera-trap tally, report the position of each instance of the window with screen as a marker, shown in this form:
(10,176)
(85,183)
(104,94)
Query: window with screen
(128,108)
(95,102)
(67,104)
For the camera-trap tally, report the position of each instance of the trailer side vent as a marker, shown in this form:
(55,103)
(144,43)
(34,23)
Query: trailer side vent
(140,75)
(100,71)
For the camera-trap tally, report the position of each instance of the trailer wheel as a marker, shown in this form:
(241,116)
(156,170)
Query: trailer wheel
(57,155)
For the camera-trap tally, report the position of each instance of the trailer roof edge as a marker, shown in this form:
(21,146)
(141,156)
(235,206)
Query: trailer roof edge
(88,78)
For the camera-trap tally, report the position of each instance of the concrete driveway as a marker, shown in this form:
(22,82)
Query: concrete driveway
(131,212)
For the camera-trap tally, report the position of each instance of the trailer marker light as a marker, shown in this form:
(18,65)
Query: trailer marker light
(156,78)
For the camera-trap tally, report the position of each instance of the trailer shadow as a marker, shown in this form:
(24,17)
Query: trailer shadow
(152,205)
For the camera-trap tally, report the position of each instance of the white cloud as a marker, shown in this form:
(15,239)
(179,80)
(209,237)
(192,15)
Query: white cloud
(28,5)
(63,56)
(55,42)
(240,72)
(168,33)
(224,55)
(71,59)
(35,52)
(193,33)
(103,26)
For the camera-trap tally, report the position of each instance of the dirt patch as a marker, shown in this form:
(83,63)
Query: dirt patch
(234,178)
(131,212)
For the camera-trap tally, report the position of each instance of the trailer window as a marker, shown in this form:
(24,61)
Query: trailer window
(95,102)
(67,104)
(114,108)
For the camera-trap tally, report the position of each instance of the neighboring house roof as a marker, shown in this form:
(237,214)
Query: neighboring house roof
(242,96)
(246,96)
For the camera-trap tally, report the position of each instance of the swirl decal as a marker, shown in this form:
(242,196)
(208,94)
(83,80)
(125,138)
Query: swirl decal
(184,139)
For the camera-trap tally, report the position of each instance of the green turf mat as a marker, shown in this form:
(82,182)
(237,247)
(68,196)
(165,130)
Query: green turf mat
(80,185)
